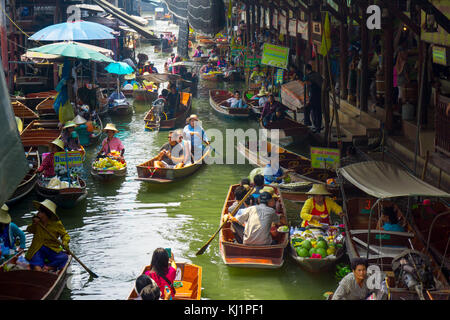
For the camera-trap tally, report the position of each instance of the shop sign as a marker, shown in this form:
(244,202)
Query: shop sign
(293,27)
(275,56)
(325,158)
(440,55)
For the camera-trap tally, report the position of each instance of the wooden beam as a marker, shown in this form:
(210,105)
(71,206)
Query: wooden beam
(404,18)
(441,19)
(336,14)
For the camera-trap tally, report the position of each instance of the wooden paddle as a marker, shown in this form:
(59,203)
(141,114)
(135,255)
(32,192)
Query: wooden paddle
(203,249)
(92,274)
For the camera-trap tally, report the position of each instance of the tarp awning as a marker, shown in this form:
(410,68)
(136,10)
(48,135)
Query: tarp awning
(384,180)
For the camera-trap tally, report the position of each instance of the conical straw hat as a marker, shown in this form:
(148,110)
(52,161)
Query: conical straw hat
(48,205)
(319,189)
(79,120)
(110,126)
(58,142)
(4,214)
(69,124)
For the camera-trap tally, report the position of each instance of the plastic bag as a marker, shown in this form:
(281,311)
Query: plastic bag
(66,112)
(54,183)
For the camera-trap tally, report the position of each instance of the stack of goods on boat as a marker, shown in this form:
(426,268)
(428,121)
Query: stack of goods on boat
(111,162)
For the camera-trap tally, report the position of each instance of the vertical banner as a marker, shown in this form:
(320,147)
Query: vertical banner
(302,28)
(293,27)
(275,19)
(282,22)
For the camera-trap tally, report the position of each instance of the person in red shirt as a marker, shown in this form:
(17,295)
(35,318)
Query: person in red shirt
(163,270)
(48,163)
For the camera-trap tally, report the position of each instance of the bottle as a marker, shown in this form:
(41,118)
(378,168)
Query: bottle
(291,231)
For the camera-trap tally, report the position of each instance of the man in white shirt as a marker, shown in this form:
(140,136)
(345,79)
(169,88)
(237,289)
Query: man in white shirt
(236,101)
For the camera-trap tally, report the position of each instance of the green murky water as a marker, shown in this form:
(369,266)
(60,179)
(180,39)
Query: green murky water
(115,230)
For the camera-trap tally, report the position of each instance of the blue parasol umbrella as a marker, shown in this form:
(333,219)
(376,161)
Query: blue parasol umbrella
(70,31)
(119,68)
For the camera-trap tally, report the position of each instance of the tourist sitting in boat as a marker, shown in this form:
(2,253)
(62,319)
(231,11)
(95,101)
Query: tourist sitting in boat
(238,229)
(111,143)
(116,95)
(389,220)
(354,285)
(316,210)
(186,148)
(171,155)
(207,68)
(258,182)
(9,233)
(48,165)
(147,288)
(194,133)
(70,137)
(257,221)
(45,253)
(198,52)
(257,76)
(222,62)
(236,101)
(163,271)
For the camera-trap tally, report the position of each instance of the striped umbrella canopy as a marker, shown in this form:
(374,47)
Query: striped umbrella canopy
(70,31)
(72,50)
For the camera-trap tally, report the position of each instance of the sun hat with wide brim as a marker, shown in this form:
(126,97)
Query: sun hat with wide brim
(129,76)
(69,124)
(262,92)
(59,143)
(319,189)
(192,116)
(4,214)
(79,120)
(111,127)
(48,206)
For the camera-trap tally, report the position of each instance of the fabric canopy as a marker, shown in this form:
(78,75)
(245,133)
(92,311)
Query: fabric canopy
(384,180)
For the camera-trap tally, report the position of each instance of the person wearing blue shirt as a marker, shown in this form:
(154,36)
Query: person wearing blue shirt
(389,220)
(9,232)
(116,95)
(258,182)
(194,133)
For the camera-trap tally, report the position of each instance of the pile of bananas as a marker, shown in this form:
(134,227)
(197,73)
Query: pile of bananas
(109,164)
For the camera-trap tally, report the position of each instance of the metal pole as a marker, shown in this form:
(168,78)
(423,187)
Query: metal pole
(368,230)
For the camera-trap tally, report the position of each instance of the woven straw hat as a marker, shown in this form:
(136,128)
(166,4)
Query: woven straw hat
(4,214)
(319,189)
(193,116)
(59,143)
(263,92)
(110,126)
(79,120)
(69,124)
(130,76)
(48,205)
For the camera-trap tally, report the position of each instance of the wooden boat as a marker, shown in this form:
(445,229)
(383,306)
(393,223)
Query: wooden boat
(439,220)
(202,59)
(29,181)
(148,173)
(128,93)
(40,133)
(32,285)
(108,174)
(169,124)
(121,109)
(253,104)
(382,247)
(190,275)
(66,198)
(23,112)
(240,255)
(288,128)
(31,100)
(216,76)
(216,98)
(316,265)
(45,108)
(145,95)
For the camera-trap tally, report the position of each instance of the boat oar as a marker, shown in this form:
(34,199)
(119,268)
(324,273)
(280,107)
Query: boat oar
(28,153)
(203,249)
(92,274)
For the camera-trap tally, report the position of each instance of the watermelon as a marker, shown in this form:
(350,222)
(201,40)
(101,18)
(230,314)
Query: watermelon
(322,252)
(306,244)
(312,251)
(302,252)
(322,244)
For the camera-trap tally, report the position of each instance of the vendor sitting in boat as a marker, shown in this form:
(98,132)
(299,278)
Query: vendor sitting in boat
(262,97)
(171,154)
(272,111)
(9,233)
(389,220)
(198,52)
(207,68)
(222,62)
(70,137)
(236,101)
(115,95)
(316,210)
(48,164)
(273,173)
(130,82)
(257,77)
(84,132)
(45,253)
(111,143)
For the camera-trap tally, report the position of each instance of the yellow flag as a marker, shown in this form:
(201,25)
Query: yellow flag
(326,37)
(230,8)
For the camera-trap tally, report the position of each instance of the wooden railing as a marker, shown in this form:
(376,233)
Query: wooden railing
(442,123)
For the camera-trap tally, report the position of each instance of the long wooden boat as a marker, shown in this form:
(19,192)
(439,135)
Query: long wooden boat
(244,256)
(40,133)
(32,285)
(216,98)
(288,128)
(170,124)
(439,220)
(384,246)
(108,174)
(203,59)
(145,95)
(121,109)
(97,132)
(190,275)
(67,197)
(45,108)
(215,77)
(29,181)
(147,172)
(23,112)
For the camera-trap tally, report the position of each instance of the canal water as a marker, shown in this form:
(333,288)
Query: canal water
(116,229)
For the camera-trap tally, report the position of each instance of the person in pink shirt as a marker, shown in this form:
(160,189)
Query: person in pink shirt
(163,271)
(48,164)
(111,143)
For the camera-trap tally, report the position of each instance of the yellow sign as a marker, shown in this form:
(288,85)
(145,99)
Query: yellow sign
(275,56)
(440,55)
(325,158)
